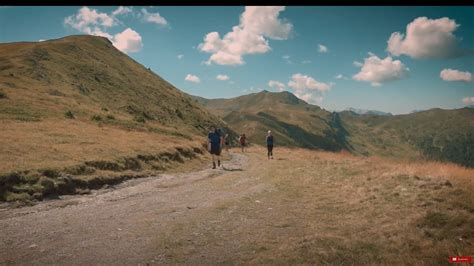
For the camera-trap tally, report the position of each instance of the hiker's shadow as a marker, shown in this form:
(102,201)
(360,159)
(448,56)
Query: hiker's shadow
(232,169)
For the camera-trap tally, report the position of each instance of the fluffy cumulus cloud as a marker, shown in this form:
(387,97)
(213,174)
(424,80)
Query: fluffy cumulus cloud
(308,88)
(303,82)
(455,75)
(222,77)
(87,20)
(276,84)
(192,78)
(468,100)
(426,38)
(377,71)
(155,18)
(128,41)
(92,22)
(257,25)
(322,48)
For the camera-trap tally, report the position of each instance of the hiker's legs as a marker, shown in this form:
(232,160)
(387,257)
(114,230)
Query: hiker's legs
(218,155)
(270,151)
(213,161)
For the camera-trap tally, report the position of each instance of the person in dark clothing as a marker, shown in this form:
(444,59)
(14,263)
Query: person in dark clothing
(226,142)
(269,140)
(214,145)
(243,141)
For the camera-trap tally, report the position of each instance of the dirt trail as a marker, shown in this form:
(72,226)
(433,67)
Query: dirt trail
(304,207)
(121,225)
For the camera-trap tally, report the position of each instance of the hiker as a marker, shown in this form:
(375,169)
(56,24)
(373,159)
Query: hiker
(214,146)
(226,142)
(243,141)
(269,140)
(221,141)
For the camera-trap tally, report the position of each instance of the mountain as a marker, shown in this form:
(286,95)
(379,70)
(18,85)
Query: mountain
(78,98)
(94,73)
(435,134)
(367,112)
(292,121)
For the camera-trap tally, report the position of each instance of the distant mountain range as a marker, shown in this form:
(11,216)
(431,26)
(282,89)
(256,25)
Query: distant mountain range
(437,134)
(367,112)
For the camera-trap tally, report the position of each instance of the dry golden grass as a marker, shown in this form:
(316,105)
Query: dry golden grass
(61,143)
(311,207)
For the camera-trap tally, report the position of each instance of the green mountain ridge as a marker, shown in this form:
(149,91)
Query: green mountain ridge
(435,134)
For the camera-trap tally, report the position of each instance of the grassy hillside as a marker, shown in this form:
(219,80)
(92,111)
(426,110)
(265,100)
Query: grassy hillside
(445,135)
(293,121)
(78,100)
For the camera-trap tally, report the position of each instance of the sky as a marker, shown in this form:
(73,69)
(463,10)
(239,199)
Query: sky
(391,59)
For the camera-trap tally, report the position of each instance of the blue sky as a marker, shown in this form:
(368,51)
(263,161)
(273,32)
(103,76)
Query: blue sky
(393,59)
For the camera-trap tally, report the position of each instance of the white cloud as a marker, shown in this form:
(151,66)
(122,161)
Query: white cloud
(455,75)
(426,38)
(287,59)
(300,82)
(180,56)
(153,17)
(378,71)
(92,22)
(309,97)
(192,78)
(340,76)
(357,64)
(306,62)
(276,84)
(89,20)
(122,11)
(322,48)
(128,41)
(41,40)
(222,77)
(468,100)
(308,89)
(257,23)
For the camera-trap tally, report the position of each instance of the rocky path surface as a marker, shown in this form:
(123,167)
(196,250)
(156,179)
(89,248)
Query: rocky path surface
(120,225)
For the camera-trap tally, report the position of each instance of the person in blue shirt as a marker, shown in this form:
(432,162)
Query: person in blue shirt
(269,140)
(214,145)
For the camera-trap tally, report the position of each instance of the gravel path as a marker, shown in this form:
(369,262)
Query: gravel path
(120,225)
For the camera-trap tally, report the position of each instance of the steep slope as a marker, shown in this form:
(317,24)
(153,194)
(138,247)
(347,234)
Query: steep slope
(90,70)
(78,98)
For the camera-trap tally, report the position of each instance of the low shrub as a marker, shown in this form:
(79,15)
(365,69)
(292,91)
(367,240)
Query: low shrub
(69,115)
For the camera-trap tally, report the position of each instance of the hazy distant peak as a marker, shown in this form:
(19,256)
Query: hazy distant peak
(367,112)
